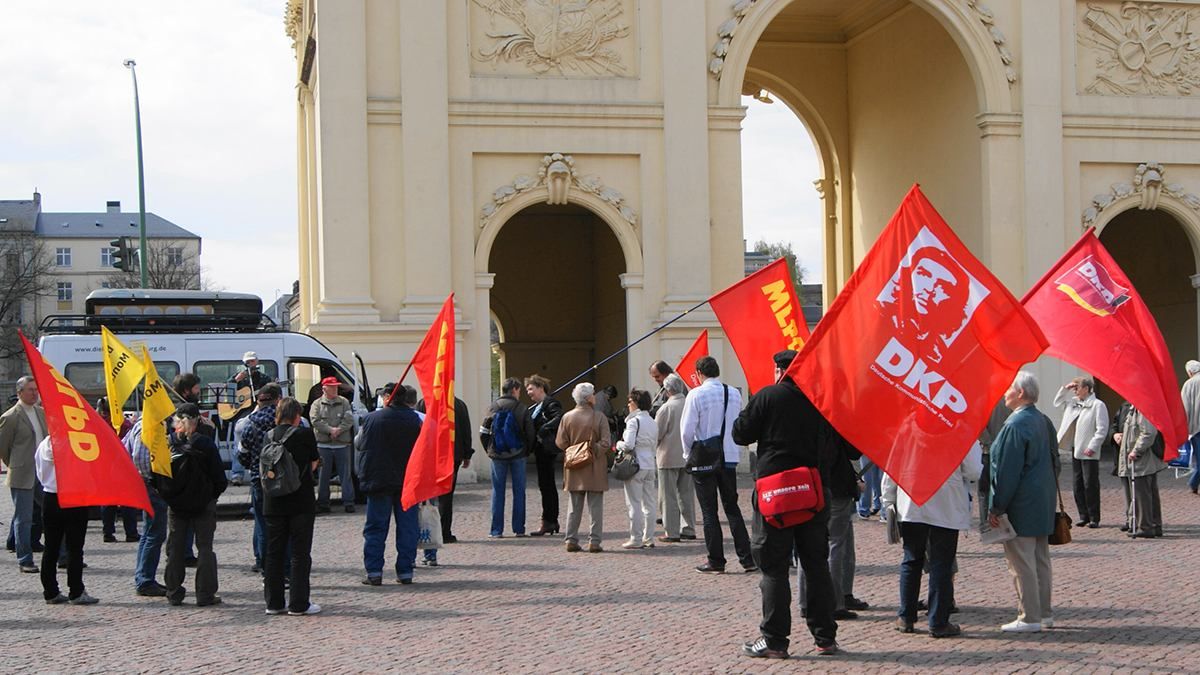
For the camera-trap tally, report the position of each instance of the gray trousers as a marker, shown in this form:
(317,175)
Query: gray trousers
(677,499)
(204,525)
(1145,510)
(841,552)
(1028,561)
(595,505)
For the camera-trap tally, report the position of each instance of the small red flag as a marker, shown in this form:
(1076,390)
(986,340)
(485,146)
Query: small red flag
(916,350)
(430,470)
(1095,319)
(687,365)
(761,316)
(91,465)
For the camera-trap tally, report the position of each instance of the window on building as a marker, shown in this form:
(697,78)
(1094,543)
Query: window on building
(65,291)
(12,262)
(174,256)
(106,256)
(62,256)
(106,284)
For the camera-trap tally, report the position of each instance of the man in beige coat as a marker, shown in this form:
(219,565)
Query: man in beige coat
(676,488)
(22,427)
(585,424)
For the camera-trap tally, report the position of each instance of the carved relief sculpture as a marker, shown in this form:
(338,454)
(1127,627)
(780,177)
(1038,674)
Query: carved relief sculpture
(988,19)
(557,174)
(1149,181)
(564,37)
(1139,48)
(725,35)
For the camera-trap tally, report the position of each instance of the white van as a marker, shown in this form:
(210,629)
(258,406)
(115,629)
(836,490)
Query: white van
(201,332)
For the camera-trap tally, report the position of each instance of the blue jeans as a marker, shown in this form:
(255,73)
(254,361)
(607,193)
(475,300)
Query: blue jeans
(943,547)
(236,470)
(381,508)
(154,535)
(329,457)
(259,542)
(869,500)
(22,522)
(501,468)
(1194,479)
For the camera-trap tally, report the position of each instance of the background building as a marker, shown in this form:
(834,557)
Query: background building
(571,170)
(53,260)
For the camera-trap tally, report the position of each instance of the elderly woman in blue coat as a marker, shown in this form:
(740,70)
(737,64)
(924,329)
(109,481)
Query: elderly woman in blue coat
(1023,472)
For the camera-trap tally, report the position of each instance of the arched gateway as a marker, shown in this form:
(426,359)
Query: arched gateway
(440,143)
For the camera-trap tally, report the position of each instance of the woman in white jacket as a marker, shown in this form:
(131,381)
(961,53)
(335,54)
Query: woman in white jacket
(641,492)
(933,526)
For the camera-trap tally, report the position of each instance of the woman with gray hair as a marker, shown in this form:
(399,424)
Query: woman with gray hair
(583,424)
(1191,406)
(676,488)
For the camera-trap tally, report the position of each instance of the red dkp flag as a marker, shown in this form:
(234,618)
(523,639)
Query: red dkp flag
(761,315)
(687,365)
(91,466)
(1096,320)
(916,350)
(431,468)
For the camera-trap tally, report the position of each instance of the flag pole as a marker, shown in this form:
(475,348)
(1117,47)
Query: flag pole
(624,349)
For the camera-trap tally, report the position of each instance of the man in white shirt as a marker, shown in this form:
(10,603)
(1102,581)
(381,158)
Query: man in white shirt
(65,528)
(706,411)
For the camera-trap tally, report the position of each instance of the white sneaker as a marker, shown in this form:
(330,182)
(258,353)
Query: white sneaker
(313,608)
(1048,622)
(631,544)
(1019,626)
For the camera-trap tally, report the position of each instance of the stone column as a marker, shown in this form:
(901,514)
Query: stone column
(342,214)
(425,158)
(686,155)
(635,327)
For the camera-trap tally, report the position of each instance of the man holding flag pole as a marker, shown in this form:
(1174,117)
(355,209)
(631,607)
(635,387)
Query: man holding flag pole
(148,446)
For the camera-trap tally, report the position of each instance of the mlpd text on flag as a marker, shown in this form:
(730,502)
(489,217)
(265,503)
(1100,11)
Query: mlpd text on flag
(430,470)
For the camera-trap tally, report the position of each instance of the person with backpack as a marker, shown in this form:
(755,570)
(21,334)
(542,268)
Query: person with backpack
(507,436)
(286,465)
(197,479)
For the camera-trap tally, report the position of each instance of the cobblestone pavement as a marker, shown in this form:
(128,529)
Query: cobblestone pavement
(525,605)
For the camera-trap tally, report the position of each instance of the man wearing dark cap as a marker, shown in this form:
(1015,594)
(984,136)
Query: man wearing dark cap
(258,425)
(790,433)
(333,423)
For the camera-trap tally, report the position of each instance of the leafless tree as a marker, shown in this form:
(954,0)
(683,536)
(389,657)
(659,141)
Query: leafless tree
(783,250)
(25,268)
(172,265)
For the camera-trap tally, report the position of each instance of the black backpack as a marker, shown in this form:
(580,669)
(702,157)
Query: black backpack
(189,489)
(277,469)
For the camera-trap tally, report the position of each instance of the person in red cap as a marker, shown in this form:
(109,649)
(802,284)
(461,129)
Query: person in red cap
(333,422)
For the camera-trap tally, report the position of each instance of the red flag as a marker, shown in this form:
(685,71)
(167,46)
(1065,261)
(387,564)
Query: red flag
(916,350)
(687,365)
(761,316)
(91,466)
(1095,319)
(431,468)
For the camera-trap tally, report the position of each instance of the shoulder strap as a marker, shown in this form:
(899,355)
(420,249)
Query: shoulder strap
(724,410)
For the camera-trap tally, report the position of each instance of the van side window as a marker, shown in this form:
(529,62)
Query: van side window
(88,380)
(214,374)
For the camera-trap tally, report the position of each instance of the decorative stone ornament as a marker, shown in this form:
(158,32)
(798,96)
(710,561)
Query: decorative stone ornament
(988,19)
(566,38)
(725,36)
(1139,49)
(558,176)
(1148,181)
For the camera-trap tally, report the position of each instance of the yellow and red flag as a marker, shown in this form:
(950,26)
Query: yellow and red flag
(123,370)
(687,365)
(91,465)
(156,407)
(761,315)
(430,470)
(1095,319)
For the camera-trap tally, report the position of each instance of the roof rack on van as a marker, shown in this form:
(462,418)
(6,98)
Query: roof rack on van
(87,324)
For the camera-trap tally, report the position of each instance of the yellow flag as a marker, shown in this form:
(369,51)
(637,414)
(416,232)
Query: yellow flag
(122,372)
(156,407)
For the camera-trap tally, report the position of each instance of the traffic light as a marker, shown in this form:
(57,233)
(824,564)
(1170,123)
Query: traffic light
(122,254)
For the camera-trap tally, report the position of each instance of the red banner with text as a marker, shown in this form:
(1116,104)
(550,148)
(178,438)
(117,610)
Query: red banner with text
(431,468)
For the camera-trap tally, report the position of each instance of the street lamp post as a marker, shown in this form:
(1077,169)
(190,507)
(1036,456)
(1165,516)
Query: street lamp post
(137,116)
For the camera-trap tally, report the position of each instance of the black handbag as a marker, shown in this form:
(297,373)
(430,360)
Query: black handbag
(708,454)
(626,465)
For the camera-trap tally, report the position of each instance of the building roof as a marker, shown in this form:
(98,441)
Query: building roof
(18,215)
(107,226)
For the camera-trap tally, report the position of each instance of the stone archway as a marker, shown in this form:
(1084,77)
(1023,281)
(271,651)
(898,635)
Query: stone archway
(559,289)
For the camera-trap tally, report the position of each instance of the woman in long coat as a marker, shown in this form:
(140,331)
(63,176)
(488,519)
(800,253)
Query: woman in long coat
(585,424)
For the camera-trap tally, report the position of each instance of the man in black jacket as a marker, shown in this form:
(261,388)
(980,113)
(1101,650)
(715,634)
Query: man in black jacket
(384,447)
(790,433)
(545,416)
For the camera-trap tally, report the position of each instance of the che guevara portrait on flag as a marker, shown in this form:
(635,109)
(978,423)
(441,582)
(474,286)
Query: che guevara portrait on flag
(930,297)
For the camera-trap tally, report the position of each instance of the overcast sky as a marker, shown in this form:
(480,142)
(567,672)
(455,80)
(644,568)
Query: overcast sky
(217,90)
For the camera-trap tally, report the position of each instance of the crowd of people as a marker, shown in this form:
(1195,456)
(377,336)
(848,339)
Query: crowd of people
(678,447)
